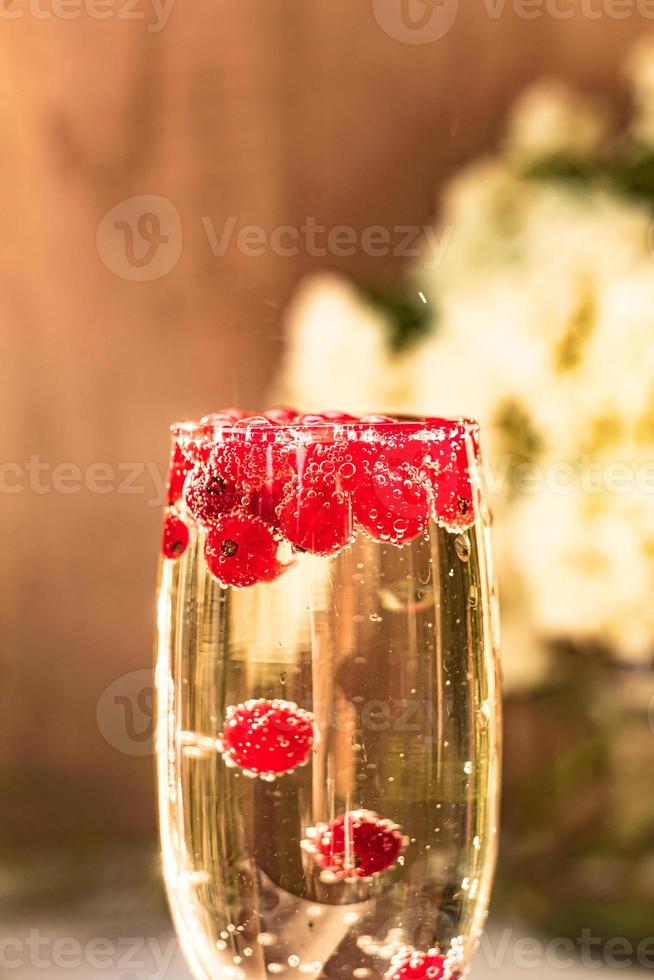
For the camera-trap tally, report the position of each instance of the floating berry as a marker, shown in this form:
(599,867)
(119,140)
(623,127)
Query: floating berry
(449,476)
(208,495)
(331,466)
(180,467)
(417,966)
(266,501)
(267,738)
(235,414)
(175,536)
(339,417)
(282,415)
(391,505)
(266,494)
(241,550)
(316,519)
(241,464)
(359,844)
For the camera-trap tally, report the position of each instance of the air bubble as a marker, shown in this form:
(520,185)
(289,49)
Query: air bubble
(462,546)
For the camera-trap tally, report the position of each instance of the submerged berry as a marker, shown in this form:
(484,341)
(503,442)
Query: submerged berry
(175,536)
(208,495)
(179,469)
(449,477)
(267,738)
(391,506)
(266,501)
(241,550)
(241,464)
(359,844)
(417,966)
(316,519)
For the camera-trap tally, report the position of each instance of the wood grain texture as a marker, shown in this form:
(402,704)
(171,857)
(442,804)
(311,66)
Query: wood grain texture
(267,112)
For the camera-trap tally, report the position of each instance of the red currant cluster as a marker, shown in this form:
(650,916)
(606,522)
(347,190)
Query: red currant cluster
(253,482)
(266,739)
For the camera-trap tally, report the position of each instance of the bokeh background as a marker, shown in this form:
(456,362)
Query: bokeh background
(132,137)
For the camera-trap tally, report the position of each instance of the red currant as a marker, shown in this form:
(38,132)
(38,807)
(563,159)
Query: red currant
(449,476)
(208,495)
(359,844)
(282,415)
(339,417)
(175,536)
(391,505)
(241,550)
(417,966)
(265,502)
(240,463)
(267,738)
(316,519)
(180,466)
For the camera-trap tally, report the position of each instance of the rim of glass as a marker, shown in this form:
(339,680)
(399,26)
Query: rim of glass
(258,426)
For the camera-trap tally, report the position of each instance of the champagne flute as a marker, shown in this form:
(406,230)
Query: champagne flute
(328,727)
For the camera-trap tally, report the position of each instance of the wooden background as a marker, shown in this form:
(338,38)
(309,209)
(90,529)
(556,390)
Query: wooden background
(266,111)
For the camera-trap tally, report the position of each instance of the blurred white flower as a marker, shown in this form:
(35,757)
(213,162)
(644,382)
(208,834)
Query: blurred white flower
(338,353)
(552,120)
(543,330)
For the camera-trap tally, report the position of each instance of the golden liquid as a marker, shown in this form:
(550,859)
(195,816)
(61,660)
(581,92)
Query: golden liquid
(391,649)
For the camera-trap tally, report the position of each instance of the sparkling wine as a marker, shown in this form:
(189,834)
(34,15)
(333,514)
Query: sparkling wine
(328,733)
